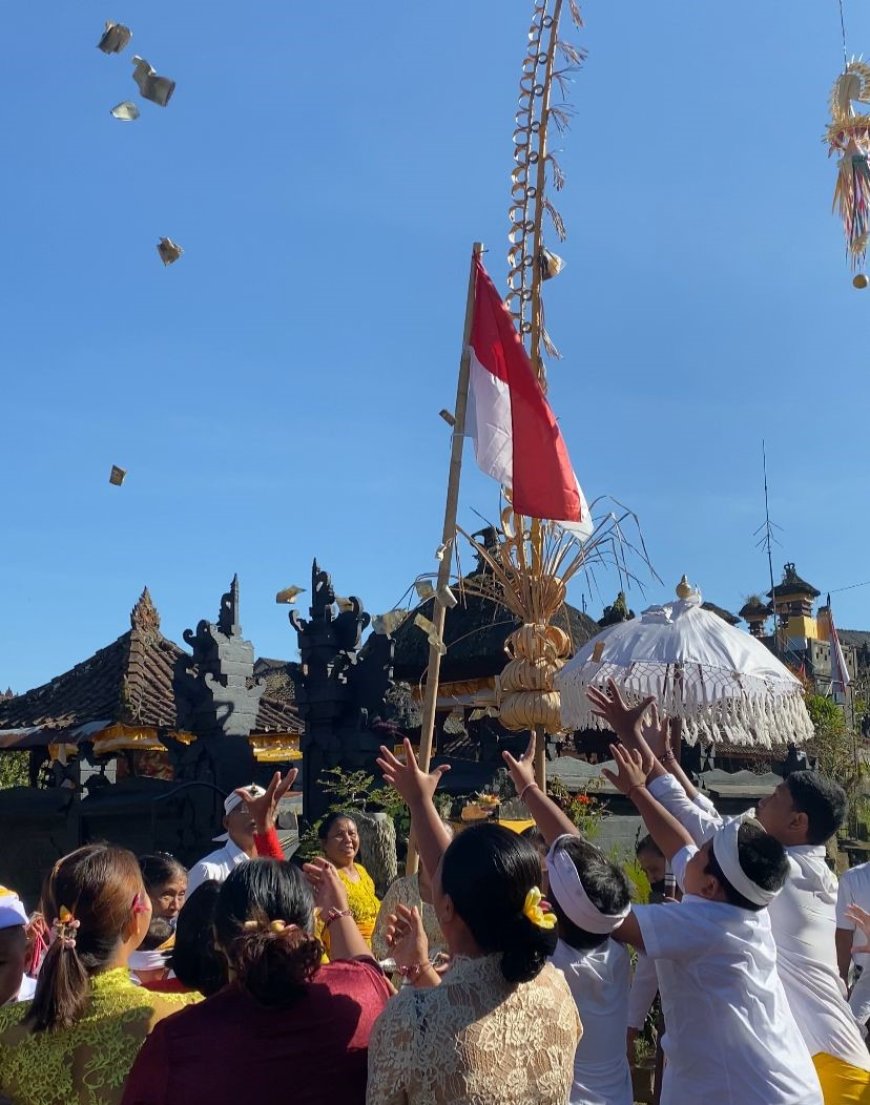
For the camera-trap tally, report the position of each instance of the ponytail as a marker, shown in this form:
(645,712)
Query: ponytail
(63,987)
(102,885)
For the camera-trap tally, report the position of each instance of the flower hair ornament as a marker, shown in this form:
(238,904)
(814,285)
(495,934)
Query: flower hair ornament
(534,911)
(272,926)
(64,928)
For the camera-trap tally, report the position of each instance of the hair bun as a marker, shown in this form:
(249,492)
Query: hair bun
(527,947)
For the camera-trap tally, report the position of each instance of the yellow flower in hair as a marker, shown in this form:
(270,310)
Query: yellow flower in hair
(532,910)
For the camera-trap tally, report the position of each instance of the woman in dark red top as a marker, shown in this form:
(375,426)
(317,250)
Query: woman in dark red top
(286,1025)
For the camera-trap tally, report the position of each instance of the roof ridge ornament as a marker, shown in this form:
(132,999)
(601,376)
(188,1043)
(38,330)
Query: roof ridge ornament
(144,615)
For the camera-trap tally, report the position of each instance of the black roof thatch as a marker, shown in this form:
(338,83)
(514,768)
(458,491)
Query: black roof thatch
(792,584)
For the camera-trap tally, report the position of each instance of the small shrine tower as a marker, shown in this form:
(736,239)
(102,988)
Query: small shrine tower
(792,603)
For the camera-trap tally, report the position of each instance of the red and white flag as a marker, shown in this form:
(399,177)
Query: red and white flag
(517,439)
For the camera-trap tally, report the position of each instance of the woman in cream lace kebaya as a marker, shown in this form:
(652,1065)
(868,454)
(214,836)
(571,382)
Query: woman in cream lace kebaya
(502,1027)
(75,1043)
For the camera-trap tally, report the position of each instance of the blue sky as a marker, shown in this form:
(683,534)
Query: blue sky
(274,395)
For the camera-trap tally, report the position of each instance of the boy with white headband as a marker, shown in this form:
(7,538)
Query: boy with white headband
(802,813)
(14,982)
(730,1039)
(590,897)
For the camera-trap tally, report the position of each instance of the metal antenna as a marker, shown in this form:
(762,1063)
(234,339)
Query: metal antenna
(767,540)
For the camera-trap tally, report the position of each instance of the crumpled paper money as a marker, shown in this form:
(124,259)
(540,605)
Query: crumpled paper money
(127,112)
(154,88)
(115,38)
(387,624)
(431,633)
(289,594)
(169,251)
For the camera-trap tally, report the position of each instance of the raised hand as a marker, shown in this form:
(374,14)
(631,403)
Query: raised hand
(264,810)
(329,891)
(413,785)
(406,937)
(522,771)
(626,721)
(657,733)
(630,773)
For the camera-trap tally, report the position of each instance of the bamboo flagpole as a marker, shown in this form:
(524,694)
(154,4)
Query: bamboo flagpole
(439,611)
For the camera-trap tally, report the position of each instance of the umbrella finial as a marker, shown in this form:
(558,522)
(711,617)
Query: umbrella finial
(684,589)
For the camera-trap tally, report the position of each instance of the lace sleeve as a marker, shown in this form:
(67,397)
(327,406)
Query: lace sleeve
(392,1052)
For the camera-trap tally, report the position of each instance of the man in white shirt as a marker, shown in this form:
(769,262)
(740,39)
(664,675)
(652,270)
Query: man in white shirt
(802,813)
(15,985)
(240,828)
(854,890)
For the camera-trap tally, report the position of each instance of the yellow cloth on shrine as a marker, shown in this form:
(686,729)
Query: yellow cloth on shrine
(88,1063)
(362,902)
(842,1084)
(516,826)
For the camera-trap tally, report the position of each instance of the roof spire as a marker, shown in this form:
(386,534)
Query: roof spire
(144,614)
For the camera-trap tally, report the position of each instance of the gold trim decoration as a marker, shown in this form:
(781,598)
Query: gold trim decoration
(127,738)
(62,752)
(182,736)
(275,748)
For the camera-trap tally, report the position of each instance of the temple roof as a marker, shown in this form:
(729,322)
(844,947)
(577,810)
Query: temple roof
(721,612)
(142,678)
(792,584)
(475,631)
(754,607)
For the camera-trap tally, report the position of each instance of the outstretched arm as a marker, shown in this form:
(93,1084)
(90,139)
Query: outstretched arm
(630,780)
(552,822)
(418,790)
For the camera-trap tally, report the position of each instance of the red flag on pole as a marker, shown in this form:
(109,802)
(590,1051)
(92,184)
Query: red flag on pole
(517,439)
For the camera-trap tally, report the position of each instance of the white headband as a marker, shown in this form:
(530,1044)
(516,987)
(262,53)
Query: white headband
(12,911)
(234,800)
(572,898)
(727,852)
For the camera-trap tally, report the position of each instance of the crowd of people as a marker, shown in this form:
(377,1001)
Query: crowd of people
(513,969)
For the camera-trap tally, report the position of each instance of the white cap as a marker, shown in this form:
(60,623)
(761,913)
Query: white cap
(234,800)
(12,911)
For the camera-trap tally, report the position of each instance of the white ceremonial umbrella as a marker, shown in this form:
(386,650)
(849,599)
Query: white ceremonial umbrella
(723,684)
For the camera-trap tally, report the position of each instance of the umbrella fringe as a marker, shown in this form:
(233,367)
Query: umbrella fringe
(738,710)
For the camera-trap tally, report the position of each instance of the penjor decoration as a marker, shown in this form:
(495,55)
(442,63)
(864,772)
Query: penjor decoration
(848,135)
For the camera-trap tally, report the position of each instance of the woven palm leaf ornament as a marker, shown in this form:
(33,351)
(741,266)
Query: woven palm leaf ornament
(848,135)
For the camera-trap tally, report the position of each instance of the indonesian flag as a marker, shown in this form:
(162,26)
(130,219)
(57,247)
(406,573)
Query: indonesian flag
(517,439)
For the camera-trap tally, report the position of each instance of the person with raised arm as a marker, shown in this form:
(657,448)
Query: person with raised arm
(501,1025)
(250,814)
(803,812)
(590,897)
(731,1038)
